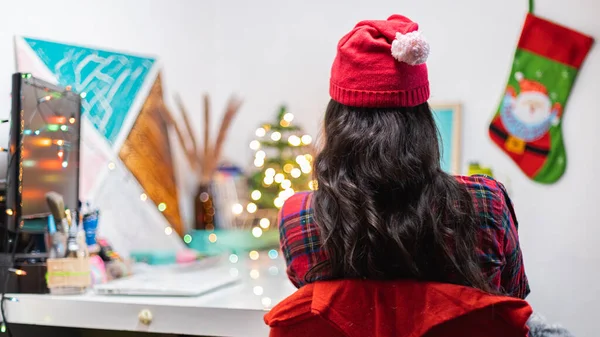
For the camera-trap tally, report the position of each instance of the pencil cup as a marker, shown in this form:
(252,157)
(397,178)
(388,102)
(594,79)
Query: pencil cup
(67,276)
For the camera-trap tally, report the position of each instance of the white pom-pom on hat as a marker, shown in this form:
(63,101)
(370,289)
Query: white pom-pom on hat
(410,48)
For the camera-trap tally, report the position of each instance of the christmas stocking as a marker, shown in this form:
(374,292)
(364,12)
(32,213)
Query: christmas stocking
(528,123)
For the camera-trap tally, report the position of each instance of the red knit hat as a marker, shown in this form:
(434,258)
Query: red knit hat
(381,64)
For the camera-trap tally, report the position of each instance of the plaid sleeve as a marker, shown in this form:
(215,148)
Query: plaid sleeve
(299,237)
(513,278)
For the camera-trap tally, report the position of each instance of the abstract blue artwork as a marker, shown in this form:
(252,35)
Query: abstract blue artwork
(109,81)
(447,119)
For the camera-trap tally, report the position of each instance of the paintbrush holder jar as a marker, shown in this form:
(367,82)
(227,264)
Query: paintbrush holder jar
(204,208)
(70,275)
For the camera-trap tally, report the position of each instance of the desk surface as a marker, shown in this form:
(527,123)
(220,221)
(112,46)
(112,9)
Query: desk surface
(236,310)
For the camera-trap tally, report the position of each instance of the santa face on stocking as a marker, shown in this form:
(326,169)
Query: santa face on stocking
(529,114)
(527,123)
(522,126)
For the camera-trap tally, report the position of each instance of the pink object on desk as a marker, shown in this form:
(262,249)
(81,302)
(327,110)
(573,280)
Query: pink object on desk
(186,256)
(98,270)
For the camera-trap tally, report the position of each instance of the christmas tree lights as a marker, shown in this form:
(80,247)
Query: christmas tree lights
(282,156)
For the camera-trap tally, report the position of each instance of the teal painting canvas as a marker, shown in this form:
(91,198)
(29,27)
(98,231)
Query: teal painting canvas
(447,119)
(109,81)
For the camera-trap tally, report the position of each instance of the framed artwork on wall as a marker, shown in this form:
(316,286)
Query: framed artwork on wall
(448,120)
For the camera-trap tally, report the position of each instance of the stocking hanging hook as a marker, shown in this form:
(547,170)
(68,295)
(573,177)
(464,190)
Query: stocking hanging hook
(531,6)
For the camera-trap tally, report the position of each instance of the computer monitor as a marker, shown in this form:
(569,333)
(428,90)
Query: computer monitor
(43,153)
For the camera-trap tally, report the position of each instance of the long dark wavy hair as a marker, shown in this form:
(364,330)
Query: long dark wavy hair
(384,207)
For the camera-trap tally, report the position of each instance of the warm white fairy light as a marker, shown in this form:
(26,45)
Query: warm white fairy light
(162,207)
(268,180)
(254,255)
(289,192)
(296,173)
(260,132)
(257,232)
(287,168)
(286,184)
(279,178)
(266,301)
(260,155)
(294,140)
(304,163)
(259,162)
(212,237)
(18,272)
(312,185)
(143,197)
(237,209)
(288,117)
(258,290)
(251,208)
(255,145)
(308,157)
(111,166)
(285,194)
(254,274)
(255,195)
(168,230)
(306,139)
(264,223)
(276,136)
(278,202)
(270,172)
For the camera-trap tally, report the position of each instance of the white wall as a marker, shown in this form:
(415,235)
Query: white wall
(276,52)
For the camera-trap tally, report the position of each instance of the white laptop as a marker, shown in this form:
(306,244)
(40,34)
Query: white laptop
(173,282)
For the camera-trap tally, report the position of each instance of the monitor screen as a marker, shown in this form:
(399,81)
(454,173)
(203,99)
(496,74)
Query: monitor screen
(48,135)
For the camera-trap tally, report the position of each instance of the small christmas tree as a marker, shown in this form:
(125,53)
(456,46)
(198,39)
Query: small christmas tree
(283,155)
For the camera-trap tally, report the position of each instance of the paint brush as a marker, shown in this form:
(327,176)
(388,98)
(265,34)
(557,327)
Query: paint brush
(59,237)
(72,245)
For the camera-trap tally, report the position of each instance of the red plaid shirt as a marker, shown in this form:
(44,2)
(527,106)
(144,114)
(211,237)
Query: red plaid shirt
(498,242)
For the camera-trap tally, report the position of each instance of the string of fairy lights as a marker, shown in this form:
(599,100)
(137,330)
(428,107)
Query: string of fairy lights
(283,165)
(283,176)
(55,123)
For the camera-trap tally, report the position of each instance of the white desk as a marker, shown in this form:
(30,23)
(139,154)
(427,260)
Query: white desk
(236,310)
